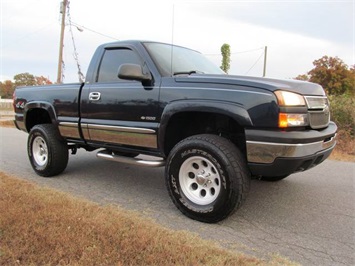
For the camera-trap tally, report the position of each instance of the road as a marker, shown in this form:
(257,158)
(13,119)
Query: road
(308,217)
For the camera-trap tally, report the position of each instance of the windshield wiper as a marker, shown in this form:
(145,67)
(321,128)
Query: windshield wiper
(188,72)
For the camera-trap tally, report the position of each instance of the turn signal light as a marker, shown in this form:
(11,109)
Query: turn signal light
(283,120)
(292,120)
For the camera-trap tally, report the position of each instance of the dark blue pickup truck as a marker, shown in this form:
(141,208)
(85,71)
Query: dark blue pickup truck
(213,132)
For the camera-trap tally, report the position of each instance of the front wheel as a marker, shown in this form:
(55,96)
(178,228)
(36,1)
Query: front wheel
(47,151)
(207,177)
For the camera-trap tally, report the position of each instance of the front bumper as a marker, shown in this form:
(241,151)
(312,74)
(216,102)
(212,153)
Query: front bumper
(278,153)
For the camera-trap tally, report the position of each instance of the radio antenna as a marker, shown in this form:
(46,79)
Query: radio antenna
(172,41)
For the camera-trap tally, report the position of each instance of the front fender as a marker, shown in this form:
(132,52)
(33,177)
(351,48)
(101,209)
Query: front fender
(234,111)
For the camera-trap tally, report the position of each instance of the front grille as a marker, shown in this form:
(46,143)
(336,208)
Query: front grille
(318,109)
(318,119)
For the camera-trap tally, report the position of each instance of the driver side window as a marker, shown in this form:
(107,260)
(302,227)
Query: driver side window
(112,60)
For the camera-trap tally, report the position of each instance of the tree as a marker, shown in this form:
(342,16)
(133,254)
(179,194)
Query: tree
(42,81)
(303,77)
(339,83)
(226,57)
(333,74)
(25,79)
(352,79)
(6,89)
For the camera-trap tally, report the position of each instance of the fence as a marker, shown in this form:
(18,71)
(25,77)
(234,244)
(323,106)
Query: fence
(6,104)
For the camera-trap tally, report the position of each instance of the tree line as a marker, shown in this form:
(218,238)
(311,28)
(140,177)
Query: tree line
(7,87)
(333,75)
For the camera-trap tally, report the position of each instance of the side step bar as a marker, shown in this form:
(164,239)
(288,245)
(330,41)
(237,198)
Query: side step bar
(122,159)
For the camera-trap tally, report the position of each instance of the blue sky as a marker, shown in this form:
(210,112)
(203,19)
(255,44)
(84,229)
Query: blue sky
(295,32)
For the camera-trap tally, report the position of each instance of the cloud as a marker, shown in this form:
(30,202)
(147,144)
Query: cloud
(328,20)
(296,33)
(289,53)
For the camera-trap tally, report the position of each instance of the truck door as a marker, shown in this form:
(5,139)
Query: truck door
(116,111)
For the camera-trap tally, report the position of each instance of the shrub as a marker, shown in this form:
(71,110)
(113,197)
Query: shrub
(343,112)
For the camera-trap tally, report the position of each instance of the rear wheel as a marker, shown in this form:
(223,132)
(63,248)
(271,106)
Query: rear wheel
(207,177)
(47,150)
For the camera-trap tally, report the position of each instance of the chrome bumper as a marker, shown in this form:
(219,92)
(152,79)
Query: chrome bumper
(267,152)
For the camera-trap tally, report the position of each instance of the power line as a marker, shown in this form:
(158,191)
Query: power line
(241,52)
(249,51)
(64,8)
(264,53)
(76,55)
(254,63)
(94,31)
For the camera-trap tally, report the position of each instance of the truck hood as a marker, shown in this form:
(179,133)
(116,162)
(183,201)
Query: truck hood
(301,87)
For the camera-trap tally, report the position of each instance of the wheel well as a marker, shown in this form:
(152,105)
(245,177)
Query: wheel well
(183,125)
(35,117)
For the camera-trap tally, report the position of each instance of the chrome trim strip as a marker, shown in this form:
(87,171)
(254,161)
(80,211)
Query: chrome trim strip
(122,129)
(68,124)
(142,137)
(69,130)
(267,152)
(85,130)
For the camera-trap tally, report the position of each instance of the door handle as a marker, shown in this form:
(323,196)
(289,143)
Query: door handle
(94,96)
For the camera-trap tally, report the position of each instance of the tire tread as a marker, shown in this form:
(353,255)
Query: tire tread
(236,161)
(57,148)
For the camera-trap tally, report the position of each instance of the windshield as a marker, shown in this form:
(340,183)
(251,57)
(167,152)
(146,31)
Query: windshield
(175,60)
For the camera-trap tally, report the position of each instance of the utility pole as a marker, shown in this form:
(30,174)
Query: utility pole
(265,57)
(63,9)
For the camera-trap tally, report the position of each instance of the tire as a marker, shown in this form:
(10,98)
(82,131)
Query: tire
(273,178)
(207,177)
(47,150)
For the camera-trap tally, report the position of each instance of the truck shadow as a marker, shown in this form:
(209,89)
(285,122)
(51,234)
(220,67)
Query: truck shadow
(275,203)
(141,188)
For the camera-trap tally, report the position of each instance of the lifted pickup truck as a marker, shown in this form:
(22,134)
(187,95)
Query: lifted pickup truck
(212,131)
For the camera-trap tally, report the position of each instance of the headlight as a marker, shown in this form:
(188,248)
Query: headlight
(286,98)
(291,109)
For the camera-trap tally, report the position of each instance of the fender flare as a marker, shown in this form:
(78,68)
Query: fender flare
(40,105)
(235,111)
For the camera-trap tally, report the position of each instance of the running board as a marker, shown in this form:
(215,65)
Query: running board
(128,160)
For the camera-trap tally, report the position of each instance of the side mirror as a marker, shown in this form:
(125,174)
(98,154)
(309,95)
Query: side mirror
(133,72)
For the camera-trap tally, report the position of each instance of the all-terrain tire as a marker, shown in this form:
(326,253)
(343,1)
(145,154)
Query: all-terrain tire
(207,177)
(47,150)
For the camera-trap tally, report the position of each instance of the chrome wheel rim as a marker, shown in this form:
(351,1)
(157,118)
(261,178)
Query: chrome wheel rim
(40,151)
(199,180)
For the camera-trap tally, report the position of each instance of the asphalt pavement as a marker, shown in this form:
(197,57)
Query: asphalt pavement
(308,217)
